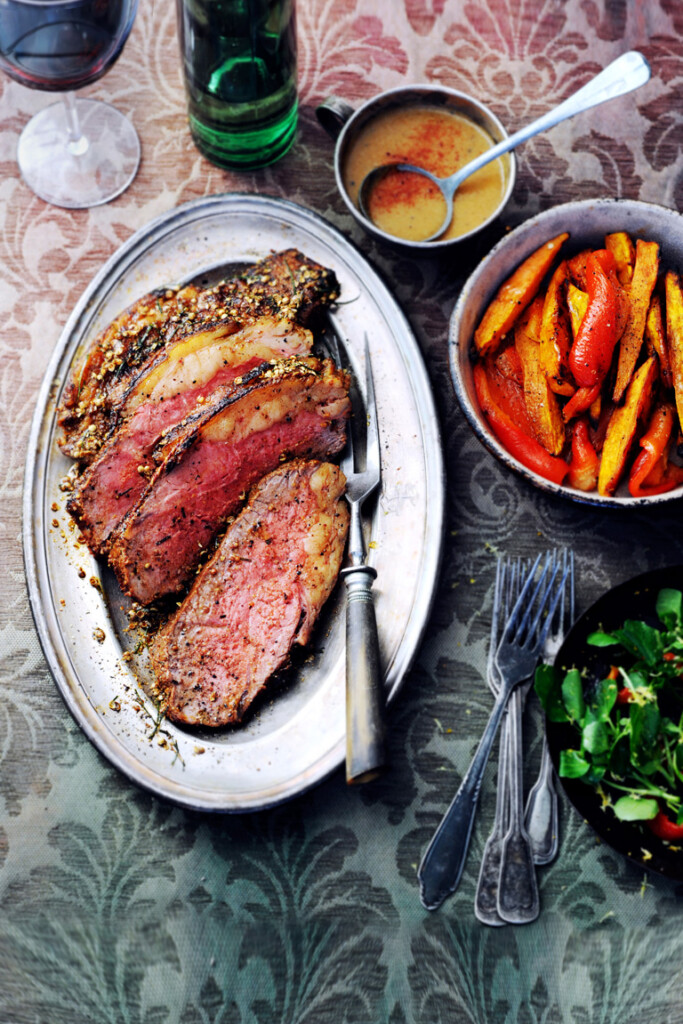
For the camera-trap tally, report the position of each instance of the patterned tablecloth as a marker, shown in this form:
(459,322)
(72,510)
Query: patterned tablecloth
(117,907)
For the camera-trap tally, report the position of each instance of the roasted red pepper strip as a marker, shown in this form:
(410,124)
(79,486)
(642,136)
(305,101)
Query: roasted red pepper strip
(584,463)
(665,828)
(652,473)
(591,354)
(525,449)
(581,400)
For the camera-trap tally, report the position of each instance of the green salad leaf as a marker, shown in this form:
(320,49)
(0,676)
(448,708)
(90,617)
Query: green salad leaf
(669,608)
(628,726)
(635,808)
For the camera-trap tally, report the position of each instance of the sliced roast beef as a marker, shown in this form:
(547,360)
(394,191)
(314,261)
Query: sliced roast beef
(286,286)
(260,593)
(188,374)
(295,407)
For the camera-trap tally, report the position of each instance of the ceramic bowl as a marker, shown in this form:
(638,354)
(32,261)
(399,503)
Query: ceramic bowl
(588,221)
(343,123)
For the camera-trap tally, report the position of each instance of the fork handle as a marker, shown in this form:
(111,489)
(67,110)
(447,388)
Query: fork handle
(444,859)
(365,747)
(541,815)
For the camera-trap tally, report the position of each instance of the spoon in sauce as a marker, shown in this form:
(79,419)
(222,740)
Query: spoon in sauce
(624,74)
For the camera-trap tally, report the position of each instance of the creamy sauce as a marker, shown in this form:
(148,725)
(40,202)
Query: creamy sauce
(407,205)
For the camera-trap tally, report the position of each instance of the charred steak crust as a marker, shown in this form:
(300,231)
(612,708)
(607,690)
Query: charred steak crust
(286,285)
(260,594)
(295,407)
(115,355)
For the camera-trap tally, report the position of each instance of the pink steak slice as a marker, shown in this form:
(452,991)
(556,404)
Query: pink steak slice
(260,594)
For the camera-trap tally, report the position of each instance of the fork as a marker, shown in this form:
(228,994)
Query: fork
(365,725)
(509,579)
(520,646)
(541,813)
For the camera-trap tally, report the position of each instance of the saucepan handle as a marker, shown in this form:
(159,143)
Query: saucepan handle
(333,114)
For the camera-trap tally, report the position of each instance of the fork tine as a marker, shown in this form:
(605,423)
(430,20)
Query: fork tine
(500,598)
(372,432)
(557,597)
(512,575)
(543,603)
(524,631)
(565,609)
(515,626)
(333,340)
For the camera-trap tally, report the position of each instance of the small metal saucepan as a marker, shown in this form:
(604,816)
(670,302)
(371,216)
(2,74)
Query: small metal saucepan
(343,123)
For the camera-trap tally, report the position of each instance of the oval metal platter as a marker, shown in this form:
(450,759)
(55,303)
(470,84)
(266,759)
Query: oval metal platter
(297,737)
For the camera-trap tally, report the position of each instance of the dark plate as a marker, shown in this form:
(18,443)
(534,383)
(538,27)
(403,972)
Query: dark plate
(634,599)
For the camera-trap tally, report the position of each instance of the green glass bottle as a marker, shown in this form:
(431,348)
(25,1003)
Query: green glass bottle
(239,60)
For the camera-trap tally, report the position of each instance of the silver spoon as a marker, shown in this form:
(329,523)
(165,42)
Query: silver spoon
(624,74)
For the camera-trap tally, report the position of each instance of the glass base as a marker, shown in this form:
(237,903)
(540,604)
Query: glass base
(78,175)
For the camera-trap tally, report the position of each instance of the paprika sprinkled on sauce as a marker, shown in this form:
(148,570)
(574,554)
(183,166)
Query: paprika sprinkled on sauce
(408,205)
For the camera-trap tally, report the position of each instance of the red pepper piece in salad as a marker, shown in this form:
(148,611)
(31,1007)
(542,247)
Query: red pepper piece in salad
(665,828)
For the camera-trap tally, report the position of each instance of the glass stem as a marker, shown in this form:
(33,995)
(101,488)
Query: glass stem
(77,143)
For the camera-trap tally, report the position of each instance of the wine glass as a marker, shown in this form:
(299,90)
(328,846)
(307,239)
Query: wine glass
(77,152)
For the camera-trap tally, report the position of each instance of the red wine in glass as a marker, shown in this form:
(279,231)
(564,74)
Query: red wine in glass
(80,152)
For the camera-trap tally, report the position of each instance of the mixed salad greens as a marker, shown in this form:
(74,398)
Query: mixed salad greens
(630,723)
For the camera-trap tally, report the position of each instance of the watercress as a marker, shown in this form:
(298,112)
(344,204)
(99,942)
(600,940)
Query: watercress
(629,725)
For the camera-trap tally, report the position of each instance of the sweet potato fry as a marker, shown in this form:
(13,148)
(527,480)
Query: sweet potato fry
(577,302)
(645,270)
(555,336)
(674,335)
(622,426)
(624,251)
(515,294)
(656,339)
(542,406)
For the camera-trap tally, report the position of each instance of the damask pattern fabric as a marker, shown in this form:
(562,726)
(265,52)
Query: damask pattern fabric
(116,907)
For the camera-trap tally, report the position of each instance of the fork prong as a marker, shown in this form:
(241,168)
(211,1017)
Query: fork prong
(500,601)
(372,462)
(565,610)
(333,339)
(515,625)
(557,597)
(541,609)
